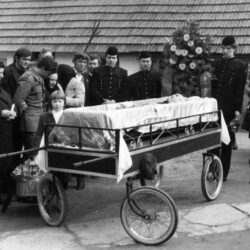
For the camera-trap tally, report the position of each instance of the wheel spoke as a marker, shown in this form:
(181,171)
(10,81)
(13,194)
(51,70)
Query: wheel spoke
(154,225)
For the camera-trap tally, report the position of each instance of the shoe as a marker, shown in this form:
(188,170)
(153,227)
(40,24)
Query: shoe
(234,146)
(80,182)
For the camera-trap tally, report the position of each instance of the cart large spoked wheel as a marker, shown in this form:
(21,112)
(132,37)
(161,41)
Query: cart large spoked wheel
(149,216)
(211,177)
(52,200)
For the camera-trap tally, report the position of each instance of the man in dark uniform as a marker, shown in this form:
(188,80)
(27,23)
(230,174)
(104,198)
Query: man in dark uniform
(228,88)
(144,84)
(108,83)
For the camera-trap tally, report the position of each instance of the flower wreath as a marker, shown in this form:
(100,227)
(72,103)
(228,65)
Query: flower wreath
(188,55)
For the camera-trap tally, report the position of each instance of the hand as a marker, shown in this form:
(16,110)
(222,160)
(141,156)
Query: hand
(237,116)
(107,101)
(24,105)
(9,114)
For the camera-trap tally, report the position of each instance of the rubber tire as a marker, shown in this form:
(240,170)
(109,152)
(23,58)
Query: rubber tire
(165,199)
(156,182)
(207,174)
(48,218)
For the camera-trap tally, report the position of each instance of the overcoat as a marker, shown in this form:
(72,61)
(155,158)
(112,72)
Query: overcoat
(6,143)
(31,91)
(10,79)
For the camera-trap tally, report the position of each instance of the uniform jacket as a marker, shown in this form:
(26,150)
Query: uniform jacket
(6,144)
(30,91)
(10,79)
(228,86)
(144,85)
(108,83)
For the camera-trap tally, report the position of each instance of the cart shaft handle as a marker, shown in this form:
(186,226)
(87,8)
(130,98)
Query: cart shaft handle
(84,163)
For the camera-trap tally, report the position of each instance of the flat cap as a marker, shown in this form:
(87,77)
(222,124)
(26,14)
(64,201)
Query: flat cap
(228,41)
(144,54)
(113,51)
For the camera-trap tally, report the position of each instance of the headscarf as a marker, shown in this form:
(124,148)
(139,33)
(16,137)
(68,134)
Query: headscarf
(65,74)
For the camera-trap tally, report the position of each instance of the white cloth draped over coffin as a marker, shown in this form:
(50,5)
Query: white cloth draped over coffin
(129,114)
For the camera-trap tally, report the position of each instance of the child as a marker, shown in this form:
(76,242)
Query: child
(57,103)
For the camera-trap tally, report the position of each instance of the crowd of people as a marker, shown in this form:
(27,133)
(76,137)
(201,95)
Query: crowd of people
(34,92)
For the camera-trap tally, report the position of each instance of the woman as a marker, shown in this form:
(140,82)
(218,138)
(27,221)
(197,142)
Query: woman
(51,85)
(74,89)
(7,165)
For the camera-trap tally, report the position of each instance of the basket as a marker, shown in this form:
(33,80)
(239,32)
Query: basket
(26,186)
(27,177)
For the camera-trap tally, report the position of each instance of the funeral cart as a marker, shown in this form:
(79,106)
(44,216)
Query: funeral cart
(111,141)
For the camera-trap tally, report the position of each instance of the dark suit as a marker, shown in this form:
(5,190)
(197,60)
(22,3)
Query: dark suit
(144,85)
(6,142)
(9,82)
(228,89)
(10,79)
(108,83)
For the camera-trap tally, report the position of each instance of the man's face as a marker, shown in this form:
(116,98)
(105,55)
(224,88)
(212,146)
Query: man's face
(93,64)
(228,51)
(80,65)
(23,62)
(145,64)
(111,60)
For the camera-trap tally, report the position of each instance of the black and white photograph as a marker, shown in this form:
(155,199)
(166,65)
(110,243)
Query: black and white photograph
(124,125)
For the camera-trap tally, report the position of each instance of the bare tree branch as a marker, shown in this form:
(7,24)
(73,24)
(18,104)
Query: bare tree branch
(95,32)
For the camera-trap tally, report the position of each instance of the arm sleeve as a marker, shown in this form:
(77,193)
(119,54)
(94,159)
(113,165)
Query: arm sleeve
(75,93)
(24,87)
(96,96)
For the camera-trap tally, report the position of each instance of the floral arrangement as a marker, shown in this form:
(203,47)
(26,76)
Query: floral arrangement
(188,57)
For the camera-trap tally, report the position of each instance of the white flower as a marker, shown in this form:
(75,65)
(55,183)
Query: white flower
(173,47)
(190,43)
(186,37)
(192,65)
(182,66)
(172,61)
(178,52)
(198,50)
(184,52)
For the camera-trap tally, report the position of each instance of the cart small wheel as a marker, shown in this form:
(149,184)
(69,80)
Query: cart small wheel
(149,216)
(212,178)
(52,201)
(156,182)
